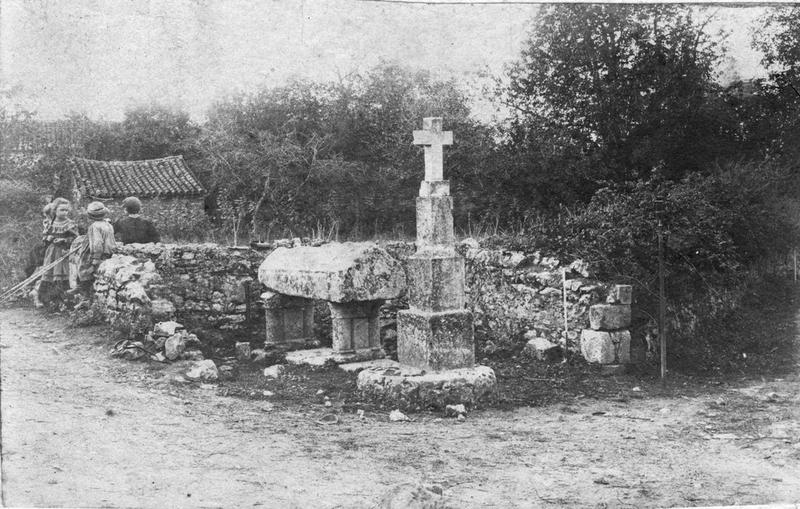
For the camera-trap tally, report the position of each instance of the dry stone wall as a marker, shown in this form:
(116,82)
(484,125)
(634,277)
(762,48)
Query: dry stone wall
(513,295)
(200,285)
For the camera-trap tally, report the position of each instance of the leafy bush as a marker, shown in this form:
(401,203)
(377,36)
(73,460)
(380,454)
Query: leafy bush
(20,227)
(722,233)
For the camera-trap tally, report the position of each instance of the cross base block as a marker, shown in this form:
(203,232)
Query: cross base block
(435,341)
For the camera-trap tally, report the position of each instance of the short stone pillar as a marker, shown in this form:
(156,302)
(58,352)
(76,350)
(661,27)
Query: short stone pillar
(355,279)
(607,341)
(355,328)
(289,321)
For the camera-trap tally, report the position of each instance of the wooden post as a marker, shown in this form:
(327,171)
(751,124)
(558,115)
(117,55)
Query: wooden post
(564,293)
(660,210)
(662,326)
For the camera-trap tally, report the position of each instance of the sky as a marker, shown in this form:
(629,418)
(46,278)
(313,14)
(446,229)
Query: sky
(100,57)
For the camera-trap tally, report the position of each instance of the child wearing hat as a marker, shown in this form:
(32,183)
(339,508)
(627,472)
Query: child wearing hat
(97,246)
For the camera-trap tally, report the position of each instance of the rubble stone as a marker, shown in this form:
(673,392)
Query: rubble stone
(274,371)
(166,328)
(541,348)
(175,345)
(202,370)
(243,351)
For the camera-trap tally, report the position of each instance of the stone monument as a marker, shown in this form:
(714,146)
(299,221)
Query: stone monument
(355,278)
(436,332)
(435,336)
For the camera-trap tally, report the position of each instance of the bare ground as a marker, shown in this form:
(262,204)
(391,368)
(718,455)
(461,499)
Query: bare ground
(81,429)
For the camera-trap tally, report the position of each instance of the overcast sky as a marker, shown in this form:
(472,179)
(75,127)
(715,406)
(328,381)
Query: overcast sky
(101,56)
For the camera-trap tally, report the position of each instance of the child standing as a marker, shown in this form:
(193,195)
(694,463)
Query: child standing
(58,235)
(97,246)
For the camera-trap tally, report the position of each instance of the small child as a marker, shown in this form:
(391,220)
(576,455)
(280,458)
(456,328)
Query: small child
(57,236)
(97,246)
(36,255)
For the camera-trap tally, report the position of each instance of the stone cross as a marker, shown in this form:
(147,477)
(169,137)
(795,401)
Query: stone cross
(433,139)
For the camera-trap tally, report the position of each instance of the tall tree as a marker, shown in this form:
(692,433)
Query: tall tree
(774,112)
(610,91)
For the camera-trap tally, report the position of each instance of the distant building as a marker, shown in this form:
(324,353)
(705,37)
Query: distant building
(34,138)
(172,197)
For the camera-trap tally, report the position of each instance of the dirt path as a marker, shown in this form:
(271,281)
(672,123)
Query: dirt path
(81,429)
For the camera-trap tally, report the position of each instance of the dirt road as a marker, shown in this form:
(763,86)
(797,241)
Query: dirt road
(82,429)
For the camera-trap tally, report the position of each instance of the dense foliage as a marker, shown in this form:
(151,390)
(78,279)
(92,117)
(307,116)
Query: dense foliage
(608,92)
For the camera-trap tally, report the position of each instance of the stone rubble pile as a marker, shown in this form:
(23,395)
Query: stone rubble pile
(168,341)
(124,289)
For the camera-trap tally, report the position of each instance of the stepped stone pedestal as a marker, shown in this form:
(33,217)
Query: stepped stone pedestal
(435,338)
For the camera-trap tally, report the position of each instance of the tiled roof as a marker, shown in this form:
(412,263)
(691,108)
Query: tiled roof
(167,177)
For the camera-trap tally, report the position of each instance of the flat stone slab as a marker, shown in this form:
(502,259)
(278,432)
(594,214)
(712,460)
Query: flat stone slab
(613,369)
(319,356)
(346,272)
(376,363)
(410,388)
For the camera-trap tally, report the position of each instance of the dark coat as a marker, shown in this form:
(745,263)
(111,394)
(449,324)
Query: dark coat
(130,230)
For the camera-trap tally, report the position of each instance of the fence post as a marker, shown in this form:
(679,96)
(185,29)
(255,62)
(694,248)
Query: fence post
(564,293)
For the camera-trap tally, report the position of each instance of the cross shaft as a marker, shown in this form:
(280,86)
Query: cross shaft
(433,139)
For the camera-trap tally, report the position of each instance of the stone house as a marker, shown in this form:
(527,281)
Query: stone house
(172,197)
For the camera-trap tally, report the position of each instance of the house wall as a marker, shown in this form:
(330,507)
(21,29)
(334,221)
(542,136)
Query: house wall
(175,218)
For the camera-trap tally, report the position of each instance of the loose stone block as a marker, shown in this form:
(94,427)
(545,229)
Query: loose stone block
(609,316)
(348,272)
(322,356)
(355,328)
(409,389)
(613,369)
(435,341)
(436,283)
(620,294)
(243,350)
(541,349)
(289,320)
(435,222)
(606,347)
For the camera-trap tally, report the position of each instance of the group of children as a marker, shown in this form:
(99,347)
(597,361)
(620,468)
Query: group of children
(63,244)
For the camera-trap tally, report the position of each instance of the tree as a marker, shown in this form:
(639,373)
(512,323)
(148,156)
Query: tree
(773,113)
(345,145)
(607,92)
